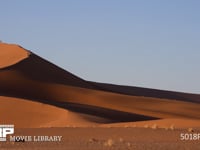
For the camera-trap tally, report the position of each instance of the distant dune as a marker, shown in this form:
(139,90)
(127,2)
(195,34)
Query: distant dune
(147,92)
(37,93)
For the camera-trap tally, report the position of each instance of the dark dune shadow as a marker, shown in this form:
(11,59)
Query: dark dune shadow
(138,91)
(38,69)
(112,116)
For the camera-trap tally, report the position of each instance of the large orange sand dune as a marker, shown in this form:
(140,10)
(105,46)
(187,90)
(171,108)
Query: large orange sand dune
(36,93)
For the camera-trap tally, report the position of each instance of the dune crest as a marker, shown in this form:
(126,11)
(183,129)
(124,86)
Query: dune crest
(11,54)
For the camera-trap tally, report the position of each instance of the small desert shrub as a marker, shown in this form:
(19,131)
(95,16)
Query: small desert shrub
(154,126)
(121,140)
(93,140)
(172,127)
(109,143)
(190,130)
(146,126)
(128,144)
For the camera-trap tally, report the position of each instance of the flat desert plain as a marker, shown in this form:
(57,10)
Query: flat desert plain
(41,99)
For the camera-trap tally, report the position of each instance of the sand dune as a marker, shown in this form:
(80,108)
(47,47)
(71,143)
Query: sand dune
(147,92)
(11,54)
(25,114)
(17,85)
(35,87)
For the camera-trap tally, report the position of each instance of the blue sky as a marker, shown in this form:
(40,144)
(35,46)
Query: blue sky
(146,43)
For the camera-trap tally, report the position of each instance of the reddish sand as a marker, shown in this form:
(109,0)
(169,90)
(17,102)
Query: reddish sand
(11,54)
(105,139)
(25,113)
(35,93)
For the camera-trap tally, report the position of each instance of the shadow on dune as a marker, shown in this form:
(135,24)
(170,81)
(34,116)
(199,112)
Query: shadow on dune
(36,68)
(36,79)
(138,91)
(112,116)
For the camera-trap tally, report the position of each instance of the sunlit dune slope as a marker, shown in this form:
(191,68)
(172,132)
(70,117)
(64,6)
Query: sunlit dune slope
(25,113)
(11,54)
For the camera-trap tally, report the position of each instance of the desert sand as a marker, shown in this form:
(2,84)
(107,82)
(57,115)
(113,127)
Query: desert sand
(37,96)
